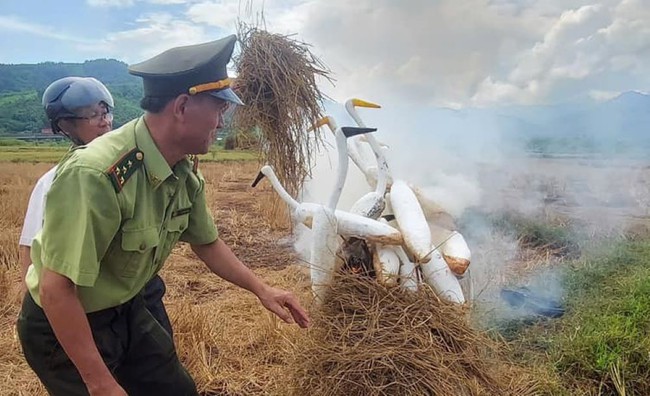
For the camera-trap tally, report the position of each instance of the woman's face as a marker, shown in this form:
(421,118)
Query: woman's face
(90,123)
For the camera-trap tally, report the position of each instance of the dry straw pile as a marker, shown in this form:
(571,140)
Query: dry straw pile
(374,340)
(276,78)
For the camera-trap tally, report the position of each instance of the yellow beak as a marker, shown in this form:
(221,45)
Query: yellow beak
(362,103)
(323,121)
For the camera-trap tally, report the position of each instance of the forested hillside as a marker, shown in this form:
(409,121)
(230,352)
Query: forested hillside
(21,88)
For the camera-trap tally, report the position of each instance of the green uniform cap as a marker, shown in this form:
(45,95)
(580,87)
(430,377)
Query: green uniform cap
(190,69)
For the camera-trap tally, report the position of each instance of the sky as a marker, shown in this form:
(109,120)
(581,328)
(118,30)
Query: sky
(444,53)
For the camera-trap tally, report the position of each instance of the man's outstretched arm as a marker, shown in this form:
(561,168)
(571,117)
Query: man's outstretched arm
(223,262)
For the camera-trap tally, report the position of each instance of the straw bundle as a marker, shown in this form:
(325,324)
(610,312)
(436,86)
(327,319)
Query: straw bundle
(372,340)
(276,78)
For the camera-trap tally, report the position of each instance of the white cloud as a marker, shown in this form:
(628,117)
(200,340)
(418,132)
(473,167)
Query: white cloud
(221,14)
(284,16)
(444,53)
(129,3)
(587,50)
(420,51)
(602,96)
(476,52)
(110,3)
(168,1)
(156,33)
(15,24)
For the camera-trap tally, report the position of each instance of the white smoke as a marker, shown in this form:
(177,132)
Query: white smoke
(476,162)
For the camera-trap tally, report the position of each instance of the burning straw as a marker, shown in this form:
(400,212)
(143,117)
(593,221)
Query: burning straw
(372,340)
(276,79)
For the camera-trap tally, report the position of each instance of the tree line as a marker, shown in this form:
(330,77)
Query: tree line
(22,86)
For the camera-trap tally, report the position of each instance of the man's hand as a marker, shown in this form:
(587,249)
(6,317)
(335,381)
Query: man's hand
(223,262)
(285,305)
(70,324)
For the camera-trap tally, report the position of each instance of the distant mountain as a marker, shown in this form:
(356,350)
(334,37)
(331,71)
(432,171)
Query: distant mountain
(22,86)
(619,125)
(631,100)
(25,77)
(616,126)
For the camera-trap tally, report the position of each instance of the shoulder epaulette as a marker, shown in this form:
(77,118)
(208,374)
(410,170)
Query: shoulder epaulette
(124,168)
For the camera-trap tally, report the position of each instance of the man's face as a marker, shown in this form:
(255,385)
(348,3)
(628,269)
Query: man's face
(204,116)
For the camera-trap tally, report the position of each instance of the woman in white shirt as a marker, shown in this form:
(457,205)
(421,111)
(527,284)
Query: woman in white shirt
(81,109)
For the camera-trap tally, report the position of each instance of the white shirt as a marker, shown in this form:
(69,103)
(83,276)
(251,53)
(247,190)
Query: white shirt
(36,208)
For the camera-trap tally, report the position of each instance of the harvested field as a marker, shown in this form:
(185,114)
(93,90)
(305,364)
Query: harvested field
(230,344)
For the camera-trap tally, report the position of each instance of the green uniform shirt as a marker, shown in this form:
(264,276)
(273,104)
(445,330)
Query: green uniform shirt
(114,212)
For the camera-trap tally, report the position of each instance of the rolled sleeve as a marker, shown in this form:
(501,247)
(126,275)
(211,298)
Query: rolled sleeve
(82,217)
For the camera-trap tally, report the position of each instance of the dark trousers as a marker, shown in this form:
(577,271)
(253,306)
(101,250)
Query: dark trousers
(153,293)
(137,350)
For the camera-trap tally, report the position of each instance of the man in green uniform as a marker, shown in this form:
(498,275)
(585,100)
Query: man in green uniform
(115,210)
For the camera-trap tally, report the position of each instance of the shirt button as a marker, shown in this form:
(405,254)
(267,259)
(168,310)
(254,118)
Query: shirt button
(142,246)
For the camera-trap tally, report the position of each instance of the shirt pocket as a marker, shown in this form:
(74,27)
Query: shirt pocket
(138,248)
(175,228)
(178,223)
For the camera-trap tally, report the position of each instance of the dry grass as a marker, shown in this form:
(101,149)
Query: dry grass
(276,78)
(16,181)
(231,345)
(16,378)
(374,340)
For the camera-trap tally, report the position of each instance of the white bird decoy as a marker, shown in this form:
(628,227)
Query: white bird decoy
(324,222)
(324,245)
(411,221)
(436,273)
(325,241)
(408,271)
(348,224)
(352,151)
(408,274)
(342,134)
(407,211)
(350,106)
(434,269)
(444,236)
(437,265)
(386,262)
(453,247)
(434,213)
(365,140)
(371,204)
